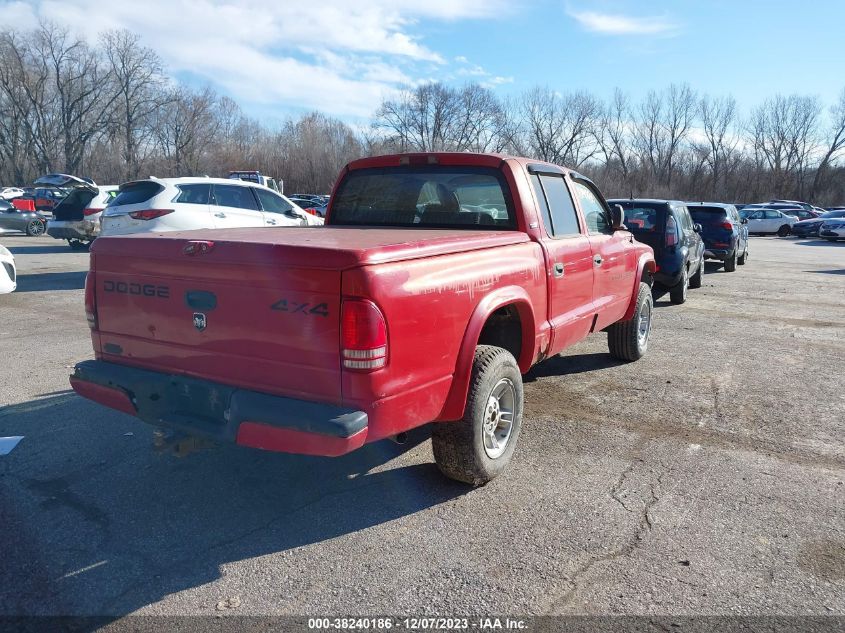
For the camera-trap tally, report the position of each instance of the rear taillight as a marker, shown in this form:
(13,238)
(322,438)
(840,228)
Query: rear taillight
(311,211)
(91,300)
(363,335)
(150,214)
(671,232)
(87,212)
(728,226)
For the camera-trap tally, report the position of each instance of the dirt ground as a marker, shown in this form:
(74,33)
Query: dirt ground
(706,478)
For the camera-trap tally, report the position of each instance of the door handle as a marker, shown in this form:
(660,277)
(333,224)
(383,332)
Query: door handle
(271,221)
(219,215)
(597,260)
(558,268)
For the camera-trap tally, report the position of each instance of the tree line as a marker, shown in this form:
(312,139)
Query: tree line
(108,110)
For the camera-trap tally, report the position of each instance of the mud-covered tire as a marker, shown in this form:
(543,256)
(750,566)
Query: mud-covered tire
(459,447)
(36,228)
(744,258)
(625,339)
(784,231)
(696,280)
(678,292)
(730,263)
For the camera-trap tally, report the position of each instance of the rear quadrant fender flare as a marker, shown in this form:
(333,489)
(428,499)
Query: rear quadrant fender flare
(514,296)
(645,263)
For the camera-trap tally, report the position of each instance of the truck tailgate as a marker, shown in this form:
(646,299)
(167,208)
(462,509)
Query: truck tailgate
(239,314)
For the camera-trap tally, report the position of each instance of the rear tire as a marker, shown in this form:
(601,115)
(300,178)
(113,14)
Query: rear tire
(78,245)
(479,446)
(784,231)
(730,263)
(696,280)
(678,293)
(36,228)
(741,261)
(628,340)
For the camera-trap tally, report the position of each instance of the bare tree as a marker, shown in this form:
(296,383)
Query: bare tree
(185,129)
(137,74)
(717,118)
(612,133)
(835,143)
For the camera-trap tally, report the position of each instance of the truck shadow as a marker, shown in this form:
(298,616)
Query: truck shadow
(103,525)
(39,282)
(571,364)
(59,247)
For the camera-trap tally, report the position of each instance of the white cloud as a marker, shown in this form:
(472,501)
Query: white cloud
(615,24)
(338,56)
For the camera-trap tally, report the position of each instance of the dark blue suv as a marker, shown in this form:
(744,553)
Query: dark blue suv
(725,234)
(667,227)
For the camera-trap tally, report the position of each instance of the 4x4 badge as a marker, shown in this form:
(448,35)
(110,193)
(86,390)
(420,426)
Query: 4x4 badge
(199,321)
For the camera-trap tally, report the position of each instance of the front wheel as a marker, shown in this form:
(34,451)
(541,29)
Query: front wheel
(628,340)
(784,231)
(479,446)
(35,228)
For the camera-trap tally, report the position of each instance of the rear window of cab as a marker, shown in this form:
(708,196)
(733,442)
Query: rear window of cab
(428,197)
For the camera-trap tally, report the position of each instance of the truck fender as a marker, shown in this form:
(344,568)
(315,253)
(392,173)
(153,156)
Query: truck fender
(509,295)
(645,263)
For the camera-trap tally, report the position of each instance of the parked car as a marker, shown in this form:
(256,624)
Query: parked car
(179,204)
(77,217)
(768,220)
(386,320)
(833,229)
(810,228)
(310,205)
(46,198)
(7,193)
(806,206)
(668,228)
(32,223)
(8,273)
(724,232)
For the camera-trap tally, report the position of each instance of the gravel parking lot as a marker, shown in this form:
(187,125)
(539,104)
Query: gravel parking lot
(705,479)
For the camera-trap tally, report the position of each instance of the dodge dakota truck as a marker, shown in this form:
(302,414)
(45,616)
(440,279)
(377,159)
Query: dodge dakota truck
(438,280)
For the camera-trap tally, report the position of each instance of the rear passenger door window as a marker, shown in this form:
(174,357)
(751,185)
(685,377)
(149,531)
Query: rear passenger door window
(193,194)
(234,196)
(557,207)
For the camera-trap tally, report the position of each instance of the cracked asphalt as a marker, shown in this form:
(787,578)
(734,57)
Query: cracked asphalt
(706,478)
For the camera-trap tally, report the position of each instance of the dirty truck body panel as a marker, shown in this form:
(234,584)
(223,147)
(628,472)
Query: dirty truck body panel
(260,336)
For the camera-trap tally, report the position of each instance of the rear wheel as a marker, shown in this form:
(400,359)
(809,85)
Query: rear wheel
(696,279)
(479,446)
(744,258)
(784,230)
(730,263)
(78,245)
(628,340)
(678,293)
(36,228)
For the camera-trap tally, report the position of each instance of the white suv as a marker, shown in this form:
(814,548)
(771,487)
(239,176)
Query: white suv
(181,204)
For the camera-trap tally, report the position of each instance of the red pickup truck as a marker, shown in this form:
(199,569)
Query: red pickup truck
(438,280)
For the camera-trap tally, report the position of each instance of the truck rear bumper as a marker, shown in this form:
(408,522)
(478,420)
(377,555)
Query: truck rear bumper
(221,412)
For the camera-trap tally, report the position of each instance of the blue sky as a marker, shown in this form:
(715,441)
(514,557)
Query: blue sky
(282,58)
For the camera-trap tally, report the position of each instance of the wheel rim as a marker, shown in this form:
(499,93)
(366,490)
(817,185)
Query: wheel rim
(498,418)
(644,324)
(36,227)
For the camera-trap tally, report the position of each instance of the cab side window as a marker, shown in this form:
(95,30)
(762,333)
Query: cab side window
(556,205)
(598,220)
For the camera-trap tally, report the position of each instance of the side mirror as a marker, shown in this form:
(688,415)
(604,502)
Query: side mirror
(697,228)
(617,217)
(744,221)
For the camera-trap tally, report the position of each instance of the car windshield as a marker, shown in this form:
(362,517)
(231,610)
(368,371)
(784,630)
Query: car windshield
(430,196)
